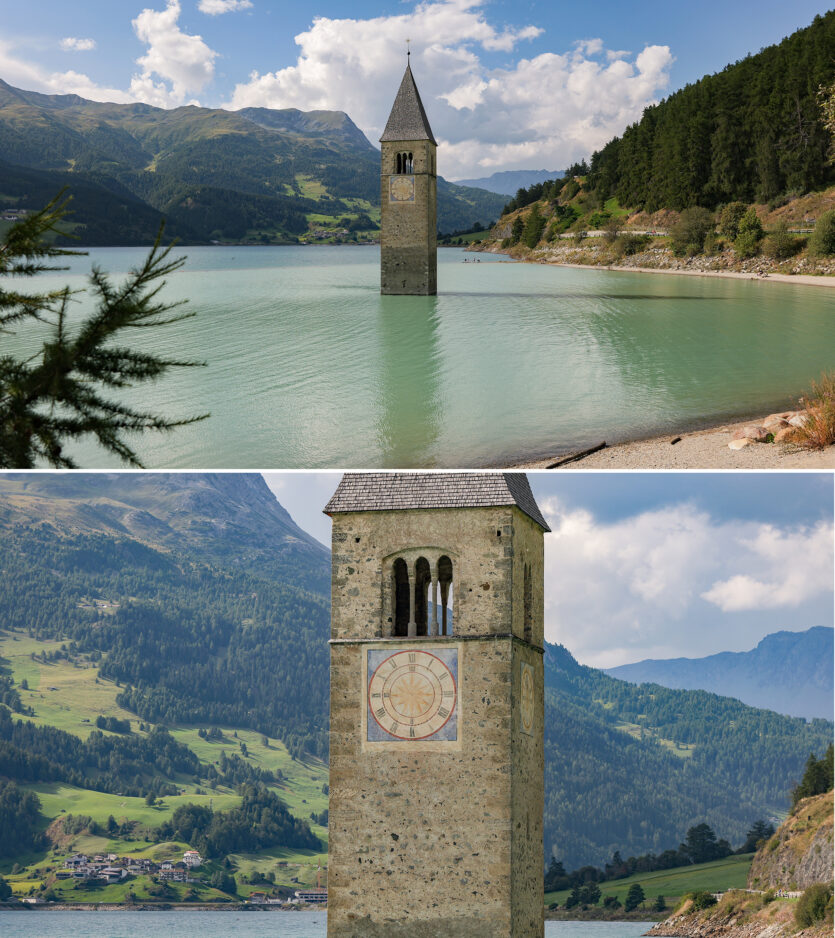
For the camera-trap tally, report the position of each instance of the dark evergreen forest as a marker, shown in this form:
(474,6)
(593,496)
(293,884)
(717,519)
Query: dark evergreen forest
(722,763)
(189,643)
(752,132)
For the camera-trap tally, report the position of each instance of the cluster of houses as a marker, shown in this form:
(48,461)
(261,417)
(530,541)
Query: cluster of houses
(301,897)
(112,868)
(14,214)
(321,234)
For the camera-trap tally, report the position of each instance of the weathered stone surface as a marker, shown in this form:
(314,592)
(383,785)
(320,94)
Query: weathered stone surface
(751,432)
(782,435)
(798,419)
(442,839)
(739,443)
(800,853)
(775,424)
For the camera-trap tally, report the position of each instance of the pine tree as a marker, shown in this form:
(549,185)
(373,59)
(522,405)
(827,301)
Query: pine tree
(59,395)
(634,897)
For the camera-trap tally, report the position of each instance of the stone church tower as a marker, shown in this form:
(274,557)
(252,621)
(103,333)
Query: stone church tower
(436,722)
(408,196)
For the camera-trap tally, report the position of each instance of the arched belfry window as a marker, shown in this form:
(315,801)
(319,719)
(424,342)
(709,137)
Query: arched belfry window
(421,596)
(445,588)
(528,603)
(423,582)
(404,164)
(400,586)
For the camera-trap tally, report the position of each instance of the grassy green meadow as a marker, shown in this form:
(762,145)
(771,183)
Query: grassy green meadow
(718,876)
(69,695)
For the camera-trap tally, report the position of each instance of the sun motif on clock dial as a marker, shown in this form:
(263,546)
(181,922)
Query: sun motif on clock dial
(402,189)
(412,694)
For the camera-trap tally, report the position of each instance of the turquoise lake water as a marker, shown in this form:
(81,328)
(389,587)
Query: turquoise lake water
(227,924)
(308,366)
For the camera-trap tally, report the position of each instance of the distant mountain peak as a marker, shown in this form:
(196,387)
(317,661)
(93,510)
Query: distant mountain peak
(788,671)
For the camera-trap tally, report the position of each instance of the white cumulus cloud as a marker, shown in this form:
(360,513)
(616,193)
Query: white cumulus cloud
(217,7)
(550,109)
(71,44)
(790,566)
(676,581)
(176,65)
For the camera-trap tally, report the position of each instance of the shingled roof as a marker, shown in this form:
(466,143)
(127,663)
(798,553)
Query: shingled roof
(385,491)
(408,120)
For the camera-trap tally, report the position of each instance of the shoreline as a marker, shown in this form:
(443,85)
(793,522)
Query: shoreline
(702,448)
(809,280)
(644,917)
(551,257)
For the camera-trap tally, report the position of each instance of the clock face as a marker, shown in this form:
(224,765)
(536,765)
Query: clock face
(526,704)
(402,189)
(412,694)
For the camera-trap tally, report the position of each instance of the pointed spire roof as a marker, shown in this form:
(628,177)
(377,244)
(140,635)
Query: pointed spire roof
(408,120)
(386,491)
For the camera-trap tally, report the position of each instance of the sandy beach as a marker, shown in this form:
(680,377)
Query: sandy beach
(701,449)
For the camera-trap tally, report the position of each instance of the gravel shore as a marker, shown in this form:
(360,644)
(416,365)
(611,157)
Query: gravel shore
(702,449)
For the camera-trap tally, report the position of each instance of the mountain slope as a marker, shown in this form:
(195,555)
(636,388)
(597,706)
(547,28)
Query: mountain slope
(218,175)
(227,519)
(752,132)
(790,672)
(198,594)
(629,768)
(202,599)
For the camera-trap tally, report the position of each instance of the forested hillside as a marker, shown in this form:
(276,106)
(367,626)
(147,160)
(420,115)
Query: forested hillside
(256,174)
(209,607)
(198,594)
(641,764)
(753,132)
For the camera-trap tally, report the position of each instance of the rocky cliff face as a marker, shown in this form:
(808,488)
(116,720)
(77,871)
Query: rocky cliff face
(800,853)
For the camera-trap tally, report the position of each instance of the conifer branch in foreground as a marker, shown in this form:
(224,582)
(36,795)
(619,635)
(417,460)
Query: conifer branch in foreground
(58,395)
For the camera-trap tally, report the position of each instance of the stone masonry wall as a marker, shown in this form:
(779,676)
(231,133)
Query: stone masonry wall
(408,235)
(438,841)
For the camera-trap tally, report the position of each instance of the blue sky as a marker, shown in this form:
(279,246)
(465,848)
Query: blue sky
(663,564)
(507,85)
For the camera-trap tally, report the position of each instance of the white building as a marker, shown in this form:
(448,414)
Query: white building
(192,859)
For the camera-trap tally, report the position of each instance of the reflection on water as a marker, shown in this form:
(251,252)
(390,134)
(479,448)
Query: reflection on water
(310,367)
(410,410)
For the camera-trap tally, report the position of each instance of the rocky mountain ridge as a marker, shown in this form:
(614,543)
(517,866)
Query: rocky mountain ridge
(255,176)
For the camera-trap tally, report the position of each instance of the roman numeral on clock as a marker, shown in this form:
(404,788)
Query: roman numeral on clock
(380,713)
(443,712)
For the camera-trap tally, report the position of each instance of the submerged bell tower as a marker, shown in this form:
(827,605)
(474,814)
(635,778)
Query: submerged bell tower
(408,197)
(436,715)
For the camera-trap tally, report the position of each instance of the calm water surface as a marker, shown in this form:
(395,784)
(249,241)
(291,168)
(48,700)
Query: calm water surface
(308,366)
(239,924)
